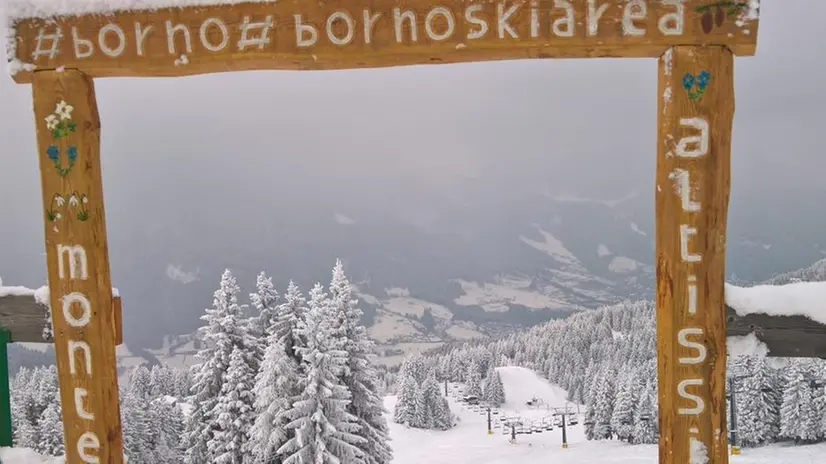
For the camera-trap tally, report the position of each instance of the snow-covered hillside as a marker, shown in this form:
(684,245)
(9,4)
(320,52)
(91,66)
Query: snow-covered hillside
(469,443)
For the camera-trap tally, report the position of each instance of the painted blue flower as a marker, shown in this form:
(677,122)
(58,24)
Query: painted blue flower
(72,154)
(688,81)
(53,153)
(702,79)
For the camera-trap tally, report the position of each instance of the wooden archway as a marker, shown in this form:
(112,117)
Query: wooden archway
(60,53)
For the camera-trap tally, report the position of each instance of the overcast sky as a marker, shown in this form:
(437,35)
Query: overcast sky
(399,139)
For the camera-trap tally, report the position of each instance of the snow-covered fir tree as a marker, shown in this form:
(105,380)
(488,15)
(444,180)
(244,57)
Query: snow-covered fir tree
(494,392)
(166,411)
(234,412)
(758,405)
(162,381)
(33,392)
(276,387)
(325,432)
(795,404)
(407,398)
(225,330)
(622,416)
(265,302)
(645,418)
(360,376)
(289,315)
(473,382)
(50,430)
(432,410)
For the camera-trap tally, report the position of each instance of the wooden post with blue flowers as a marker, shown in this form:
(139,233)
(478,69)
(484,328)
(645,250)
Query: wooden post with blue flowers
(83,320)
(696,110)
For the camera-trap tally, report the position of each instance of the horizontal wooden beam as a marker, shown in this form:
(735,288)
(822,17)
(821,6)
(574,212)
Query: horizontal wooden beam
(785,336)
(339,34)
(27,320)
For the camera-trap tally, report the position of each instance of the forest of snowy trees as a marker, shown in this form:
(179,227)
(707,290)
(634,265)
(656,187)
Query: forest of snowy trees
(606,359)
(294,383)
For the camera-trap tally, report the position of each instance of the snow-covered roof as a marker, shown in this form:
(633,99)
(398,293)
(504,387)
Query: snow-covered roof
(40,294)
(17,9)
(798,299)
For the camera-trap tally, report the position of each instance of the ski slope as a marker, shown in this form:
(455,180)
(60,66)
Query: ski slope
(469,443)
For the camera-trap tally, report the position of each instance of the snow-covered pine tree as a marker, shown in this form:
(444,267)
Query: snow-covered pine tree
(138,428)
(588,422)
(140,382)
(813,411)
(162,381)
(405,410)
(51,431)
(324,431)
(276,386)
(473,380)
(796,399)
(183,382)
(26,412)
(645,418)
(360,377)
(622,417)
(425,400)
(169,425)
(265,302)
(432,410)
(234,411)
(444,418)
(290,313)
(604,405)
(758,405)
(223,331)
(494,392)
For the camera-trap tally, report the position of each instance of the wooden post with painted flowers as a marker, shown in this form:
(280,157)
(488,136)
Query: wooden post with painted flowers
(68,142)
(696,109)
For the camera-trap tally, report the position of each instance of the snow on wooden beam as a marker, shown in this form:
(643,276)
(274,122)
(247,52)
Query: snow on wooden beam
(789,319)
(154,38)
(25,314)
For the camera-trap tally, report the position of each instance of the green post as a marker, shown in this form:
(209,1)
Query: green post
(5,395)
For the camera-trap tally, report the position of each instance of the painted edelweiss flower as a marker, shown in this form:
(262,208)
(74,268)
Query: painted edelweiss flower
(64,110)
(85,199)
(51,122)
(58,200)
(73,200)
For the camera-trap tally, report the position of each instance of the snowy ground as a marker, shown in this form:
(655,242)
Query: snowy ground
(469,443)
